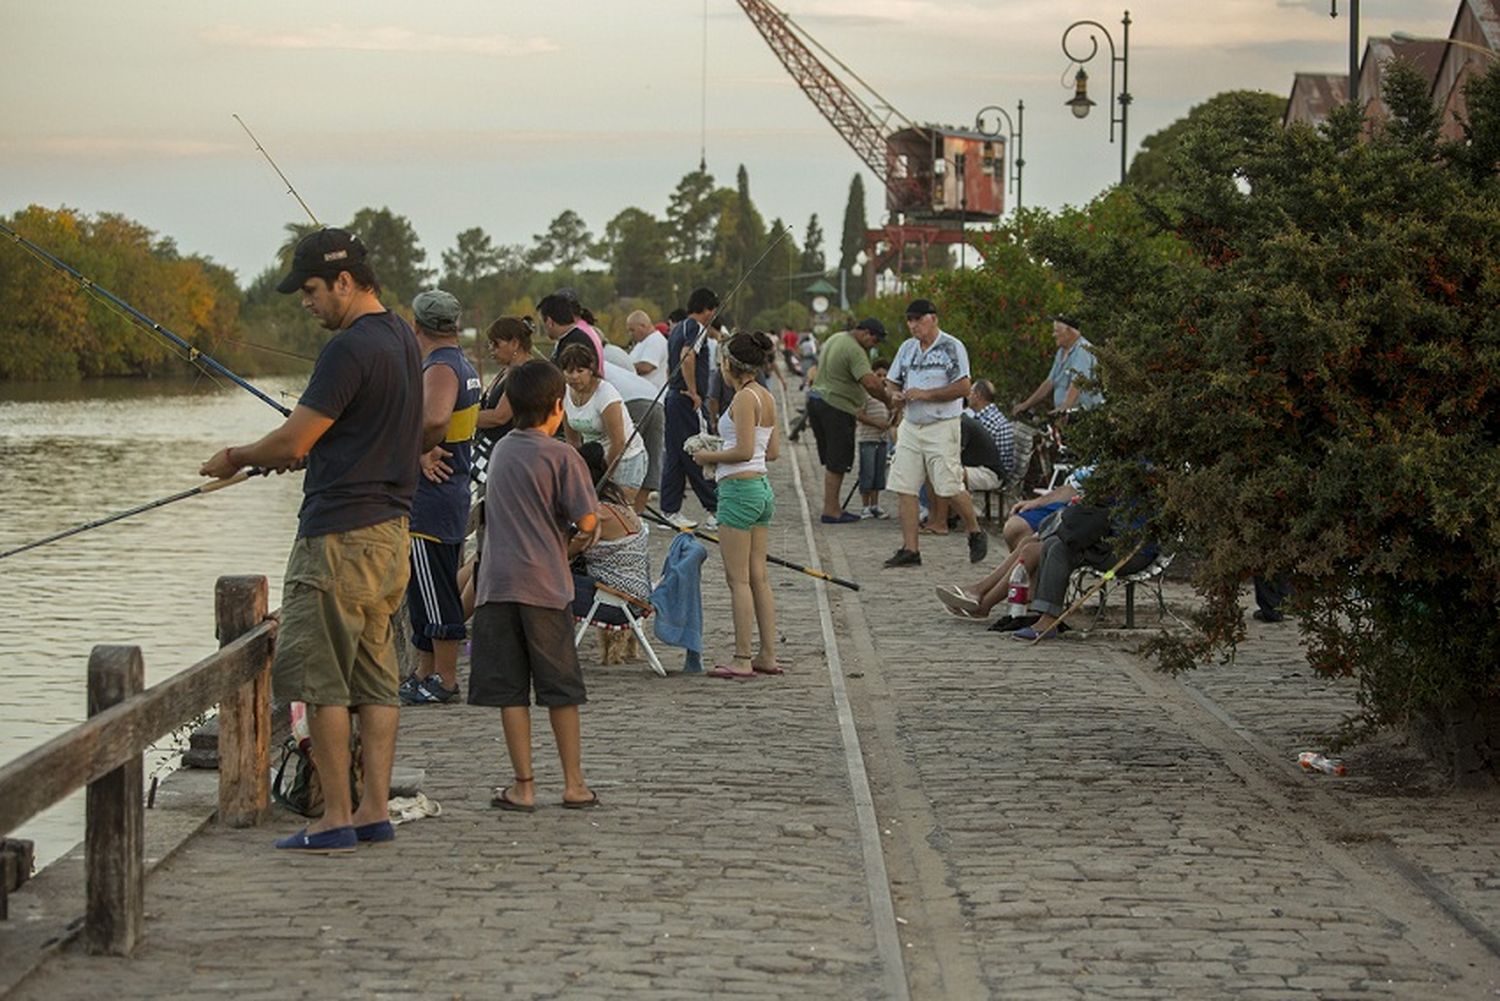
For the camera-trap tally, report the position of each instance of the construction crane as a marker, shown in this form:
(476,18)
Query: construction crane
(926,170)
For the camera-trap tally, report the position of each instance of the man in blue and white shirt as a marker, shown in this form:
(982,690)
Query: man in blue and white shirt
(928,382)
(1073,361)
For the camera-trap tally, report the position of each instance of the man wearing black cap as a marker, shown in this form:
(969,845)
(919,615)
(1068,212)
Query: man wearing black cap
(440,508)
(929,380)
(1074,360)
(358,429)
(839,391)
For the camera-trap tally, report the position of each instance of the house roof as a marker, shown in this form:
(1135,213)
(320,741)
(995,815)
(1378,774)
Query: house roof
(1320,94)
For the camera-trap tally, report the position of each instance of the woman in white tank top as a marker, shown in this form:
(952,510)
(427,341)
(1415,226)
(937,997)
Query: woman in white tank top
(746,502)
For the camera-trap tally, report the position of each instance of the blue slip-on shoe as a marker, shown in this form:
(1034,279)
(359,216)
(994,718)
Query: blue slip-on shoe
(1028,633)
(334,841)
(843,518)
(374,834)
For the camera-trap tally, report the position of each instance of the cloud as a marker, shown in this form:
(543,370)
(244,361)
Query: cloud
(387,38)
(109,148)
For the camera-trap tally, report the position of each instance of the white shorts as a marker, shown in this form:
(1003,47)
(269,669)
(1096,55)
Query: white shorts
(980,478)
(927,452)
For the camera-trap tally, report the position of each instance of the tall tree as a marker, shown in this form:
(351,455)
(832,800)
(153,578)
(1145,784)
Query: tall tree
(690,217)
(812,247)
(1152,168)
(394,251)
(565,245)
(474,255)
(853,241)
(635,247)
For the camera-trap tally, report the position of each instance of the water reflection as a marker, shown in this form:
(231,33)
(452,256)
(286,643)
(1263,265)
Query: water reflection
(72,453)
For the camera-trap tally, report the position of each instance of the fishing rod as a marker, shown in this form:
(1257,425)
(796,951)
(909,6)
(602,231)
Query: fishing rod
(661,519)
(266,347)
(206,488)
(104,295)
(697,344)
(289,189)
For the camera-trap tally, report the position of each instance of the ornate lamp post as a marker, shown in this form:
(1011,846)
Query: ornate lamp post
(1013,147)
(1081,102)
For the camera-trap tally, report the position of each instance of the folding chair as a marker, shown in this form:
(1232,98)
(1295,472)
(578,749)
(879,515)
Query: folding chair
(1152,576)
(606,596)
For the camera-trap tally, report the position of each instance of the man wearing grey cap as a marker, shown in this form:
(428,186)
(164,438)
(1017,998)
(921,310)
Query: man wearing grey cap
(358,429)
(440,509)
(839,390)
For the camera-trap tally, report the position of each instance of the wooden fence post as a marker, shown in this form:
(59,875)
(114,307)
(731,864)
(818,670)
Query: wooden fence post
(240,604)
(115,826)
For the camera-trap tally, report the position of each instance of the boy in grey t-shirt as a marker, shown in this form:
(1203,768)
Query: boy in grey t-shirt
(523,628)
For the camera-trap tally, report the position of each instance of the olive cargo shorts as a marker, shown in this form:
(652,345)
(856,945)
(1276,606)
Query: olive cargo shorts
(335,646)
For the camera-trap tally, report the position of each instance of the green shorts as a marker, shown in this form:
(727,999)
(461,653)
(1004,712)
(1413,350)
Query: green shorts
(335,646)
(746,504)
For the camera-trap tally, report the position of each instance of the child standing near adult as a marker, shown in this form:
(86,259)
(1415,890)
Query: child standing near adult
(746,502)
(873,436)
(523,627)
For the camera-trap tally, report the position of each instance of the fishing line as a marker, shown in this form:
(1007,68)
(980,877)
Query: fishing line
(104,295)
(289,189)
(206,488)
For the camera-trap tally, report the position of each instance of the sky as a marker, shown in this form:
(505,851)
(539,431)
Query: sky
(503,113)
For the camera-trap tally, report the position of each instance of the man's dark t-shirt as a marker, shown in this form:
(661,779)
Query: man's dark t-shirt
(363,471)
(684,332)
(976,447)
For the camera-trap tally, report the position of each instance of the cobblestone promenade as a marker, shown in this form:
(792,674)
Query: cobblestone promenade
(1055,821)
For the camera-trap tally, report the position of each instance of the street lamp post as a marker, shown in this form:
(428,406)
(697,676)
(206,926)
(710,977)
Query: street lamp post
(1013,147)
(1081,102)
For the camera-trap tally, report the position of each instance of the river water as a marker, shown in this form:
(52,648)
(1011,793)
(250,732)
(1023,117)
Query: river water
(72,453)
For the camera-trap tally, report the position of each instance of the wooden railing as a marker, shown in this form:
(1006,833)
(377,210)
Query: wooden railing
(105,754)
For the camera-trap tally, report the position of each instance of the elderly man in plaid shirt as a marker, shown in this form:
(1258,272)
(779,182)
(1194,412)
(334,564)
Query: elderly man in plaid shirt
(982,403)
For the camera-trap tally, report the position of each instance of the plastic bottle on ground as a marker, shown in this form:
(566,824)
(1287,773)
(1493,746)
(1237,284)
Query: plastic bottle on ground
(1018,594)
(1312,761)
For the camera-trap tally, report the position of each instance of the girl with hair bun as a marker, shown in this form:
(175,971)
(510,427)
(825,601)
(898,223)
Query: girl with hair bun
(746,502)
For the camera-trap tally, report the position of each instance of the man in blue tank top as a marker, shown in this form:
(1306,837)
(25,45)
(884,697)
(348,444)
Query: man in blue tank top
(440,509)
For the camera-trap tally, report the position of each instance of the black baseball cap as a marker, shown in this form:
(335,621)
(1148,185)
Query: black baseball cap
(1065,319)
(322,255)
(873,325)
(920,307)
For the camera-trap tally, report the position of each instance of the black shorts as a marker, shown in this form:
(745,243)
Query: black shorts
(432,595)
(520,647)
(834,431)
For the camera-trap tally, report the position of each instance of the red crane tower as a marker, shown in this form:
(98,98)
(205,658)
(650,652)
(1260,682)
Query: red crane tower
(928,171)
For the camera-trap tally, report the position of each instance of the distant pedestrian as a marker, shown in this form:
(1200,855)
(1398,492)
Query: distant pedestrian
(440,509)
(648,348)
(844,381)
(688,358)
(746,502)
(358,428)
(1073,363)
(873,436)
(523,627)
(929,379)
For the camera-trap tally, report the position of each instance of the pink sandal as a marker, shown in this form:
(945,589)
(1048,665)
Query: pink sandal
(723,671)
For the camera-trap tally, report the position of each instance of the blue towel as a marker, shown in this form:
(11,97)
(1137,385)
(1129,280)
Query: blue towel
(678,601)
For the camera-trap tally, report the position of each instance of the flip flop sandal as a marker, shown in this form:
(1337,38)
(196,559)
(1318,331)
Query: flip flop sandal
(503,802)
(721,671)
(777,668)
(582,804)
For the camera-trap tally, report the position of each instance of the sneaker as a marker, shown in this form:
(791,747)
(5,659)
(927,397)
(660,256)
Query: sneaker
(681,522)
(879,512)
(905,558)
(979,546)
(923,514)
(334,841)
(408,688)
(866,513)
(429,692)
(712,524)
